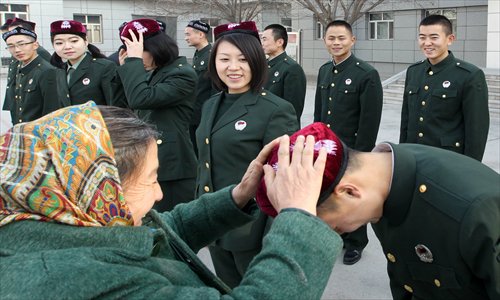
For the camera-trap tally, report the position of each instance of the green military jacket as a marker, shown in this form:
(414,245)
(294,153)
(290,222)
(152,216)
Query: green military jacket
(158,260)
(446,106)
(226,148)
(440,228)
(93,80)
(37,89)
(204,89)
(14,64)
(165,99)
(287,80)
(349,100)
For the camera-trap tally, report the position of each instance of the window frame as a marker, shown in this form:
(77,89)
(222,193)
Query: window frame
(319,29)
(91,27)
(440,11)
(14,13)
(373,26)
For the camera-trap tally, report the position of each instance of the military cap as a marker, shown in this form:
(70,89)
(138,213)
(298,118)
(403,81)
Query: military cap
(247,27)
(148,28)
(336,163)
(18,31)
(199,25)
(67,27)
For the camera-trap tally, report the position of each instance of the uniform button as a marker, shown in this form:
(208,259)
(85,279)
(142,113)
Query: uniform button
(423,103)
(206,141)
(444,96)
(457,144)
(29,90)
(335,71)
(94,59)
(180,65)
(345,91)
(206,188)
(207,165)
(329,112)
(20,120)
(431,73)
(458,64)
(421,119)
(158,141)
(410,92)
(391,257)
(20,109)
(437,282)
(426,87)
(328,125)
(194,67)
(330,98)
(263,93)
(422,188)
(20,85)
(333,84)
(408,288)
(15,96)
(357,63)
(67,95)
(421,134)
(274,81)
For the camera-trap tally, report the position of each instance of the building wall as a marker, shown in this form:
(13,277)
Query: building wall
(493,55)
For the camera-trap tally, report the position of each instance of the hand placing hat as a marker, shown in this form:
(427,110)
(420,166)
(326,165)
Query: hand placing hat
(135,46)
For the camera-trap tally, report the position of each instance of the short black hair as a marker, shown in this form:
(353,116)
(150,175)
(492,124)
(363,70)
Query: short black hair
(438,20)
(162,48)
(339,23)
(251,49)
(279,32)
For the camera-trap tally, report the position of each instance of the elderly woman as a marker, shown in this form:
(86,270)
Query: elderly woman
(75,187)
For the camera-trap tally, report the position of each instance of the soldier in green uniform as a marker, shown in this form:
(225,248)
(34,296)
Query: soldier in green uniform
(237,123)
(160,86)
(14,64)
(349,100)
(195,35)
(439,227)
(445,101)
(90,76)
(38,88)
(286,78)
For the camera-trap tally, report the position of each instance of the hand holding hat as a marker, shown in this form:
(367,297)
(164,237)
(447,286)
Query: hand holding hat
(135,46)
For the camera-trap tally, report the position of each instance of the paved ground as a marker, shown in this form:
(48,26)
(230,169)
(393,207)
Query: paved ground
(366,279)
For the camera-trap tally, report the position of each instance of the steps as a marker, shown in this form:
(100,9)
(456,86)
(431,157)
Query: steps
(393,92)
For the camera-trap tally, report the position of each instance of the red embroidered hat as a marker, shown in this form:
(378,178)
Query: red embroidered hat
(67,27)
(247,27)
(336,163)
(19,21)
(148,28)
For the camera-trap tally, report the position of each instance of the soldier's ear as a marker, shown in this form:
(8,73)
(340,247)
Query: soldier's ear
(450,39)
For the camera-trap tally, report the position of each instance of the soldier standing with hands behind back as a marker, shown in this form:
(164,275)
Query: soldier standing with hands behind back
(445,102)
(349,101)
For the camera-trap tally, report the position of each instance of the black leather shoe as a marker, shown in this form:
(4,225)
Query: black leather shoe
(352,256)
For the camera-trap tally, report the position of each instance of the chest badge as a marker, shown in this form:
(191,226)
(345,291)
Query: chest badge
(86,81)
(31,81)
(240,125)
(276,74)
(348,81)
(424,253)
(446,84)
(202,62)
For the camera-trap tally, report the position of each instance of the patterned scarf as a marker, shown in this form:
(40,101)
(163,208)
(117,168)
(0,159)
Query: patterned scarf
(61,168)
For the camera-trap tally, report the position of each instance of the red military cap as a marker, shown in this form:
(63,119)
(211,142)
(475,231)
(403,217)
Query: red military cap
(336,163)
(248,27)
(148,28)
(67,27)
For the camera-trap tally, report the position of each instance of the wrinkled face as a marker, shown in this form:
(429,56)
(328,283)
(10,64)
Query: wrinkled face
(193,37)
(148,61)
(434,42)
(22,47)
(142,190)
(233,68)
(70,46)
(338,42)
(271,47)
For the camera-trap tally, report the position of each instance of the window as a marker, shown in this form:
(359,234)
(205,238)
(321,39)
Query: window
(10,11)
(213,22)
(318,29)
(93,25)
(381,26)
(287,23)
(450,13)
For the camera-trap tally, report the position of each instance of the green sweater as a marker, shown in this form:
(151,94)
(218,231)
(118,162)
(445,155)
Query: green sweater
(53,261)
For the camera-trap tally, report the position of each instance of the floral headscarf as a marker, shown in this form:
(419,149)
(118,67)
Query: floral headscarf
(61,168)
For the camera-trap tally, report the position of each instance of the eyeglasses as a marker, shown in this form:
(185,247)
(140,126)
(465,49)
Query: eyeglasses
(20,46)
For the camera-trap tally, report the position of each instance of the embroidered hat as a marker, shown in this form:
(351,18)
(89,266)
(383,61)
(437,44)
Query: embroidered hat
(336,163)
(148,28)
(18,31)
(199,25)
(67,27)
(247,27)
(163,25)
